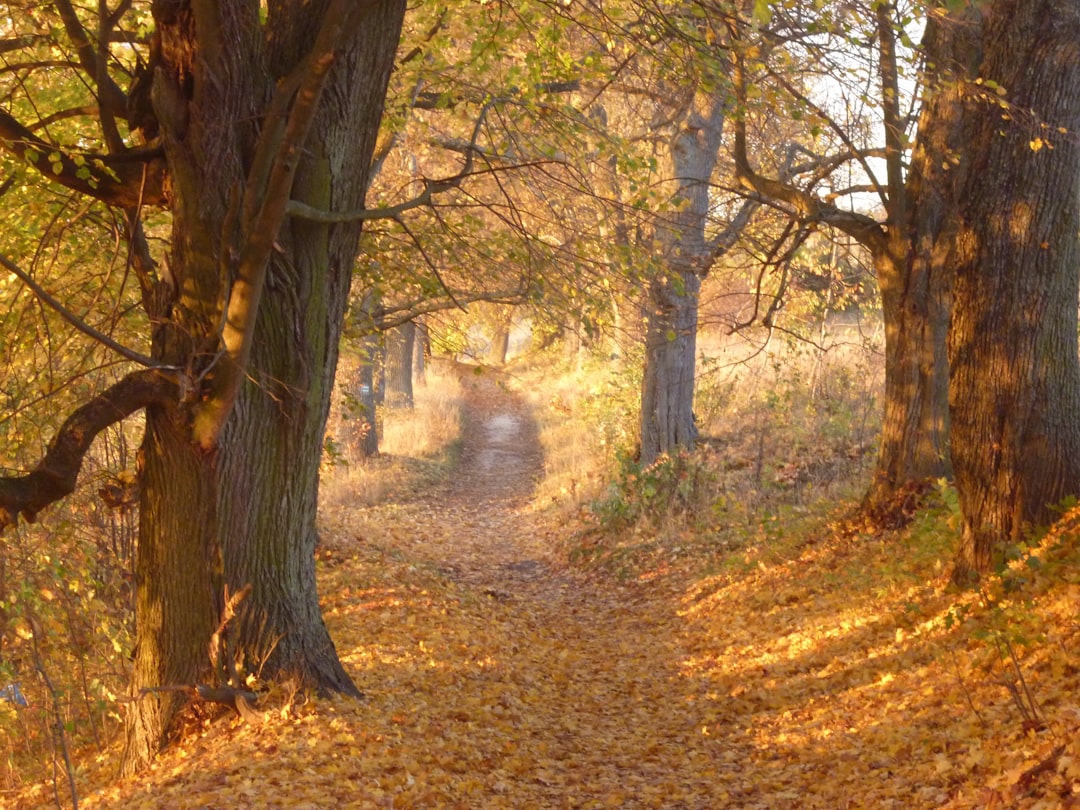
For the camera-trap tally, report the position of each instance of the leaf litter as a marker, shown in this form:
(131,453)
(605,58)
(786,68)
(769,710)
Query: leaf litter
(842,675)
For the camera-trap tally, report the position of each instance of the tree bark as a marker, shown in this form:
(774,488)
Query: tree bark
(667,390)
(915,274)
(400,342)
(178,579)
(1014,390)
(502,322)
(240,510)
(688,159)
(422,350)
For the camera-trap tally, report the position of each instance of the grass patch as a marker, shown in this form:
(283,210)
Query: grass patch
(417,447)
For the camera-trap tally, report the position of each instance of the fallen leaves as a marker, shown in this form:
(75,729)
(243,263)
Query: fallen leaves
(495,676)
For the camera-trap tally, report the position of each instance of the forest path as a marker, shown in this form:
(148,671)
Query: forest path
(569,693)
(497,676)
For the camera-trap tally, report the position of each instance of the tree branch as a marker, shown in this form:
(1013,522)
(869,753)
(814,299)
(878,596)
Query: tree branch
(73,319)
(110,96)
(807,207)
(55,476)
(113,179)
(431,187)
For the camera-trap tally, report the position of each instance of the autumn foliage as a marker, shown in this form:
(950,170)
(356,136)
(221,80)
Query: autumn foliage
(794,663)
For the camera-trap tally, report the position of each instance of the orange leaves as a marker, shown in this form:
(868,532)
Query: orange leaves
(811,675)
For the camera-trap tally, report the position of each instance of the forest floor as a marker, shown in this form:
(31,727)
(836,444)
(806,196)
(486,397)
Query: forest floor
(497,675)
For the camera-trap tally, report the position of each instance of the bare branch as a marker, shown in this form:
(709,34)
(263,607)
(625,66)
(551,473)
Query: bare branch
(806,206)
(55,476)
(431,187)
(110,96)
(74,320)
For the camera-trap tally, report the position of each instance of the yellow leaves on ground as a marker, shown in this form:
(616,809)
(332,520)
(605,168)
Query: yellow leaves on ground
(845,675)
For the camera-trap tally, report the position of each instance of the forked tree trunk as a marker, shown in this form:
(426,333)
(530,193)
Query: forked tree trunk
(243,511)
(1015,375)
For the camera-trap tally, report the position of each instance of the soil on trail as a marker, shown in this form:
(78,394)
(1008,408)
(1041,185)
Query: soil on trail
(497,676)
(569,693)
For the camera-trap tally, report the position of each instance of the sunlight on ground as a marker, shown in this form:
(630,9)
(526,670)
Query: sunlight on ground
(812,667)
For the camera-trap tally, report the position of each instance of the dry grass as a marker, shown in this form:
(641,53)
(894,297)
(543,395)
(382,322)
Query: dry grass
(416,445)
(784,425)
(580,426)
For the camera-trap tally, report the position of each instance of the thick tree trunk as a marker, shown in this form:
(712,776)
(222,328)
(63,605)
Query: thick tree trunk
(178,578)
(914,445)
(915,274)
(1015,376)
(242,512)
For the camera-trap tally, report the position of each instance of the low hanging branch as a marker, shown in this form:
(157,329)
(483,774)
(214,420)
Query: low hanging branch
(121,180)
(56,474)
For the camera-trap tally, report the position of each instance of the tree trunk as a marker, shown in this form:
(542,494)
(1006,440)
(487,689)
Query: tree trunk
(667,392)
(242,511)
(178,578)
(500,342)
(400,342)
(915,275)
(365,384)
(1014,390)
(914,426)
(421,351)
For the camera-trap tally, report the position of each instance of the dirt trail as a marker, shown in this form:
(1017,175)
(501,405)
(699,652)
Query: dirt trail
(580,701)
(493,675)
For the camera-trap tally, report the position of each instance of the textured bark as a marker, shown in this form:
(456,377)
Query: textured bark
(688,159)
(667,392)
(230,476)
(178,581)
(915,275)
(1015,377)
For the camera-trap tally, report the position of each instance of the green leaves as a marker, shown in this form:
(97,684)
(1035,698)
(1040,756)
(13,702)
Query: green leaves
(762,13)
